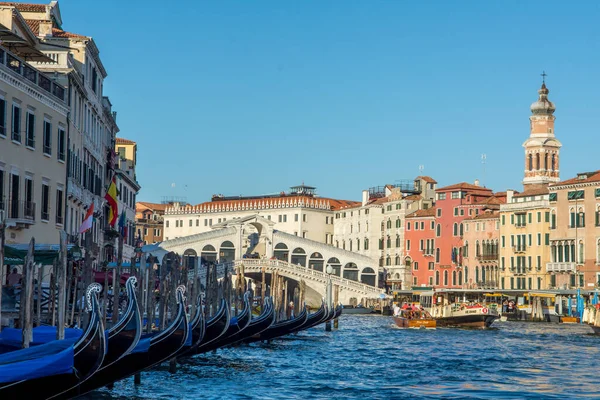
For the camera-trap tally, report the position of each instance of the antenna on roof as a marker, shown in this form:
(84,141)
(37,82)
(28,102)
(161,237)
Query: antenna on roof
(421,168)
(483,158)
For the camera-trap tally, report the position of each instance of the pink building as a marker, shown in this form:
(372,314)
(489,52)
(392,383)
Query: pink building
(419,234)
(454,204)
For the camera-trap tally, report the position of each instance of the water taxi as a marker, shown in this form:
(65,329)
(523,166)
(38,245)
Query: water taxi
(465,315)
(415,319)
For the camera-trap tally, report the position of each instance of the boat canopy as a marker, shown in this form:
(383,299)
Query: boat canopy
(42,334)
(53,358)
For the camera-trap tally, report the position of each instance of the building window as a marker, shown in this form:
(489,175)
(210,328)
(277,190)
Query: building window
(366,247)
(439,212)
(431,266)
(48,138)
(45,202)
(455,229)
(438,230)
(398,242)
(407,244)
(295,217)
(2,117)
(16,123)
(59,207)
(303,217)
(30,130)
(167,224)
(437,255)
(437,277)
(61,144)
(190,222)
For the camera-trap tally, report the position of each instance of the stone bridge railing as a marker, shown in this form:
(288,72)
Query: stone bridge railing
(295,271)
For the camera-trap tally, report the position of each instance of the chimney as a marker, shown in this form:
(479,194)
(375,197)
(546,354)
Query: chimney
(509,195)
(365,197)
(476,182)
(45,29)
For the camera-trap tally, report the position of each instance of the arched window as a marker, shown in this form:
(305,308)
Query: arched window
(466,274)
(350,272)
(530,162)
(381,261)
(553,164)
(357,244)
(580,261)
(397,240)
(380,244)
(466,249)
(437,255)
(299,256)
(388,242)
(438,230)
(350,244)
(460,281)
(398,223)
(461,231)
(545,161)
(388,260)
(367,276)
(446,278)
(537,161)
(227,251)
(389,224)
(343,244)
(382,226)
(366,246)
(453,278)
(476,274)
(437,277)
(397,260)
(477,249)
(455,229)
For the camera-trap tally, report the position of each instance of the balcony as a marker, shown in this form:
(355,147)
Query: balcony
(520,249)
(520,225)
(487,257)
(569,267)
(35,77)
(19,213)
(427,252)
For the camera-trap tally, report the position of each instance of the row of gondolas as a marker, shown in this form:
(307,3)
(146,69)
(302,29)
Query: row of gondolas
(91,358)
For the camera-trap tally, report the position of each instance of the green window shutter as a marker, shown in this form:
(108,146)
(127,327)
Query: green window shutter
(529,239)
(552,196)
(547,216)
(572,225)
(547,239)
(539,262)
(503,220)
(597,192)
(539,215)
(529,217)
(597,218)
(512,219)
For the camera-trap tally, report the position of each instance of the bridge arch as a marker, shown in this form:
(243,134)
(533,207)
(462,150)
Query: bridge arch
(367,276)
(281,252)
(351,271)
(227,251)
(189,259)
(316,261)
(336,265)
(299,256)
(208,254)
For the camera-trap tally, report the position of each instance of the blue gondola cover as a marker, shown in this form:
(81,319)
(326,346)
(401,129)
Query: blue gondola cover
(42,334)
(143,345)
(53,358)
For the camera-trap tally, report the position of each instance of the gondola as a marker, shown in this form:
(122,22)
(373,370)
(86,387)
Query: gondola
(338,311)
(216,327)
(257,325)
(315,318)
(80,359)
(150,350)
(281,328)
(236,326)
(123,337)
(197,329)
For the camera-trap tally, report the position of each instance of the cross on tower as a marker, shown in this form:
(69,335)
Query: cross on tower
(544,75)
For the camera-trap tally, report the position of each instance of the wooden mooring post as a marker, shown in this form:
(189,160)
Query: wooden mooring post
(61,282)
(336,300)
(27,297)
(2,276)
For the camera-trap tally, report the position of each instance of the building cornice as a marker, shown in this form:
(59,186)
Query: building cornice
(554,188)
(22,85)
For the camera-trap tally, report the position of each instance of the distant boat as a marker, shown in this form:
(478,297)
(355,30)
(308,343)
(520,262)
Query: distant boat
(415,319)
(465,316)
(359,309)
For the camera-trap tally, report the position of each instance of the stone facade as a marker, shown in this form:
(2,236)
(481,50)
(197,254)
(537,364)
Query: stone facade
(480,251)
(575,232)
(149,221)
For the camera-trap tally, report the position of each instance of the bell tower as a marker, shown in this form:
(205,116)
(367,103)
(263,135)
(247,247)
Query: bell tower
(542,148)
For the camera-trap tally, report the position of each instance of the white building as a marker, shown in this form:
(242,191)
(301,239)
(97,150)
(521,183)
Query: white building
(375,227)
(300,212)
(33,138)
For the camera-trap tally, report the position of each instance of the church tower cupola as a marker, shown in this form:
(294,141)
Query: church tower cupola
(542,148)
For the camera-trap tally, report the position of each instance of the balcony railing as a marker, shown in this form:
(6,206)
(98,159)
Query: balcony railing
(487,257)
(59,219)
(18,66)
(520,249)
(561,267)
(20,210)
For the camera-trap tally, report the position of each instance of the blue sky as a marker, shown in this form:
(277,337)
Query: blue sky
(240,97)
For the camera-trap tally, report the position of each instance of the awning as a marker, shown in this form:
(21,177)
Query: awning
(495,295)
(14,254)
(546,295)
(125,264)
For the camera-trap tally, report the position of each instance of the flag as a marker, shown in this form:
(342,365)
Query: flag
(122,226)
(111,198)
(88,220)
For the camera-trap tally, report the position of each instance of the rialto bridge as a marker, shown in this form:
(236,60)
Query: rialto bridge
(253,242)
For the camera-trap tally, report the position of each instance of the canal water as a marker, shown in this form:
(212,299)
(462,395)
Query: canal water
(368,358)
